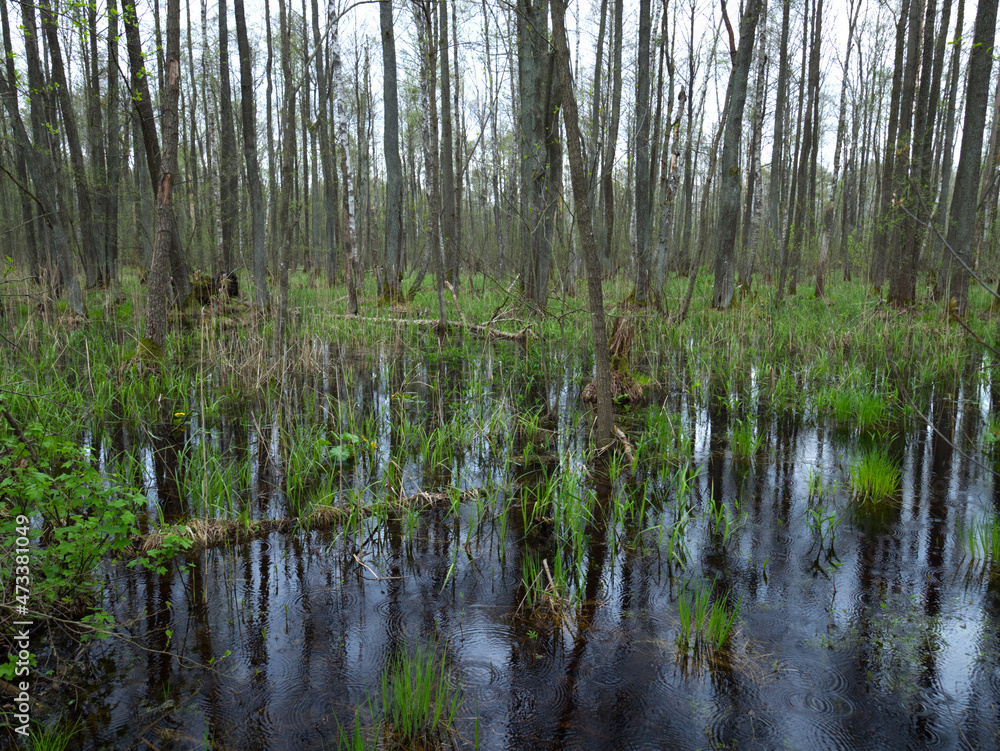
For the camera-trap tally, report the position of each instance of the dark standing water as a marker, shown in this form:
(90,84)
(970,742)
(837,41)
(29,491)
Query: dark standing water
(886,639)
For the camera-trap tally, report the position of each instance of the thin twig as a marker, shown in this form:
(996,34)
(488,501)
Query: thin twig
(945,242)
(377,577)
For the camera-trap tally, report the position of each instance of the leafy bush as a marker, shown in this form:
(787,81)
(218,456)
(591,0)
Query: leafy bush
(68,512)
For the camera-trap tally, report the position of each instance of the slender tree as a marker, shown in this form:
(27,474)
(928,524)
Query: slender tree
(729,180)
(393,166)
(451,252)
(578,170)
(156,296)
(961,230)
(258,216)
(228,165)
(643,207)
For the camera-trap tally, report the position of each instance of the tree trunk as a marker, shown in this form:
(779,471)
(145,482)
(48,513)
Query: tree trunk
(283,220)
(351,265)
(798,234)
(156,298)
(393,167)
(949,140)
(113,180)
(178,273)
(730,184)
(776,188)
(961,231)
(88,234)
(752,218)
(258,216)
(228,165)
(34,259)
(98,156)
(602,362)
(910,178)
(447,152)
(883,227)
(606,238)
(40,161)
(643,207)
(327,164)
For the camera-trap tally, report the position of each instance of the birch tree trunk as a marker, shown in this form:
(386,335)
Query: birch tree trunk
(351,265)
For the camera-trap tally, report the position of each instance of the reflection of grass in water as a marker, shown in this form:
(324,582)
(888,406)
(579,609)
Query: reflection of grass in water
(874,476)
(895,636)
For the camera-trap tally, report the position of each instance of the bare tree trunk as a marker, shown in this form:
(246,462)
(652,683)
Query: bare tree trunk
(798,234)
(606,239)
(752,217)
(351,265)
(98,157)
(949,140)
(283,221)
(156,299)
(228,166)
(40,160)
(643,202)
(602,360)
(961,231)
(447,151)
(178,274)
(883,229)
(393,166)
(88,235)
(248,111)
(35,261)
(113,179)
(902,278)
(327,161)
(776,188)
(729,187)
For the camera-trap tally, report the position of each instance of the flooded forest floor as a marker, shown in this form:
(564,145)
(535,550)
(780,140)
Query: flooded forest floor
(375,537)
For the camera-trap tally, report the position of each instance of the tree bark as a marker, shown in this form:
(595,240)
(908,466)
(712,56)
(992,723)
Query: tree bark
(643,207)
(34,259)
(88,234)
(604,427)
(606,238)
(961,231)
(178,272)
(729,181)
(393,166)
(228,165)
(327,163)
(776,188)
(113,181)
(447,152)
(351,265)
(883,228)
(40,160)
(156,298)
(941,215)
(909,179)
(248,111)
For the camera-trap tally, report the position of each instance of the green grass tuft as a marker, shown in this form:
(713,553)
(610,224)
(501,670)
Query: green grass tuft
(875,477)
